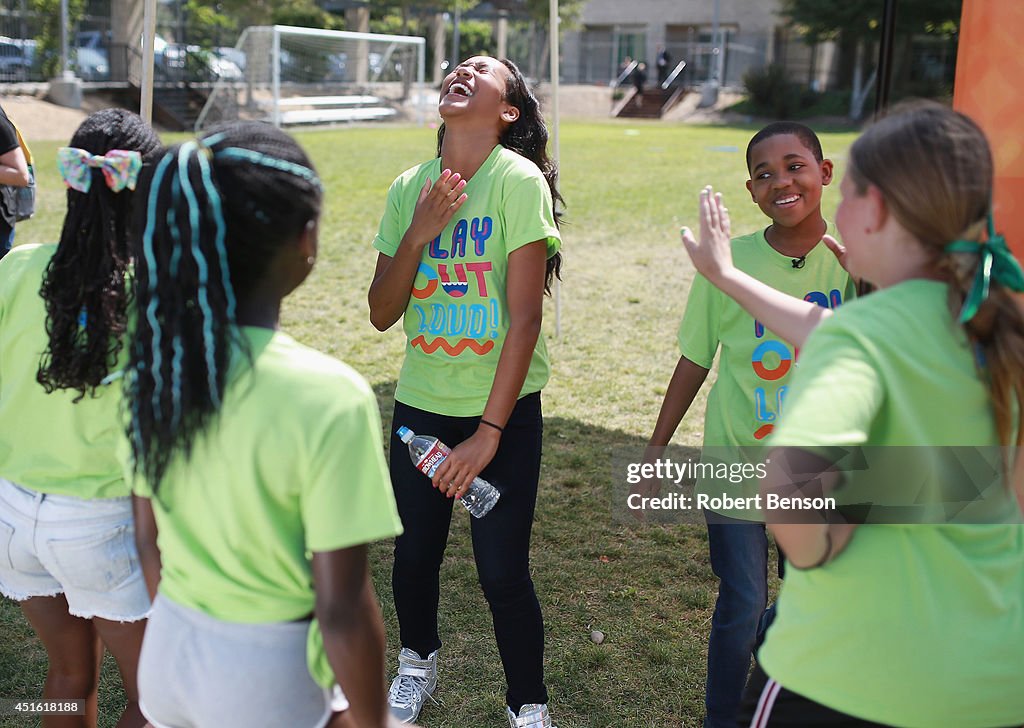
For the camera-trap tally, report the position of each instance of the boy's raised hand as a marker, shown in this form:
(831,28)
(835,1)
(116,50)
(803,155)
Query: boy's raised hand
(712,256)
(837,250)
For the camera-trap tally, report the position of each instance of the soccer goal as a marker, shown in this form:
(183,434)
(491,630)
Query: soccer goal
(292,76)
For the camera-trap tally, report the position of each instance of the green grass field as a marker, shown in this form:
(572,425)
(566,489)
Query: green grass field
(648,588)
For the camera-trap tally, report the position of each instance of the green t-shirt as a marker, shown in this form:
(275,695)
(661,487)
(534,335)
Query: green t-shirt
(48,442)
(293,463)
(458,313)
(755,366)
(916,625)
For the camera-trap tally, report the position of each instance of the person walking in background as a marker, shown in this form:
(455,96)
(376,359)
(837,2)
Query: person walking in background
(13,174)
(257,463)
(890,624)
(787,173)
(66,547)
(626,63)
(472,233)
(639,79)
(663,61)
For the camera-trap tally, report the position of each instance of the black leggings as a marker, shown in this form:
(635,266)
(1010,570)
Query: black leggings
(766,704)
(501,542)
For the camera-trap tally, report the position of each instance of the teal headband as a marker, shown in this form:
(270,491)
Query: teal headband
(261,159)
(997,263)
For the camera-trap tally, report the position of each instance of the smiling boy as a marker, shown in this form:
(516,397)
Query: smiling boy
(787,173)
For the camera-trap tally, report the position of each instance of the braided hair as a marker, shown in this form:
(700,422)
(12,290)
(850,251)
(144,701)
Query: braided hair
(217,212)
(84,286)
(528,137)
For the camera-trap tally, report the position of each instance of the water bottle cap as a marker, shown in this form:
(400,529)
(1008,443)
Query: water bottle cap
(405,434)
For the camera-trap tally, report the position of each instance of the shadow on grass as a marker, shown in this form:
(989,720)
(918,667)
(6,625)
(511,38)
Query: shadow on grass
(647,588)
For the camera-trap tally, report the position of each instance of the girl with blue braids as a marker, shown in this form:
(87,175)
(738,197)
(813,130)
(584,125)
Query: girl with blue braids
(910,612)
(66,547)
(258,465)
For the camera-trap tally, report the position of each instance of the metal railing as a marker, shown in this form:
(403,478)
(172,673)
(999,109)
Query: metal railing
(674,75)
(626,73)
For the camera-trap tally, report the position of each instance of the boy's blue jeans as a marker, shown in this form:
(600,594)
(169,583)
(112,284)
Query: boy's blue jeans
(739,558)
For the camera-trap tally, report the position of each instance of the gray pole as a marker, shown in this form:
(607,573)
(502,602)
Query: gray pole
(455,35)
(709,93)
(715,49)
(64,60)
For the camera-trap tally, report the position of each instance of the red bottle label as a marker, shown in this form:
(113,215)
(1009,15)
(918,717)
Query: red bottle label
(432,458)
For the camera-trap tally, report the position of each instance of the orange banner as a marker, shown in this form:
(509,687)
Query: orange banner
(989,72)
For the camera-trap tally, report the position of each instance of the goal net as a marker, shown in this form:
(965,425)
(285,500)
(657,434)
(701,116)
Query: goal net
(291,76)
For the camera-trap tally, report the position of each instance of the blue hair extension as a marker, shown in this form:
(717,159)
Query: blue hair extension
(265,160)
(172,223)
(218,215)
(212,139)
(203,269)
(147,250)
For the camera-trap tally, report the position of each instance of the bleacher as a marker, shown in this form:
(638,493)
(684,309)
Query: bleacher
(332,109)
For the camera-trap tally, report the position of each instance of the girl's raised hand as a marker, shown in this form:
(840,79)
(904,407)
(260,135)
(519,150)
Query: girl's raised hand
(436,205)
(712,256)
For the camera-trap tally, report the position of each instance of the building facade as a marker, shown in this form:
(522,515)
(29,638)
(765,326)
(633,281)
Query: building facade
(751,35)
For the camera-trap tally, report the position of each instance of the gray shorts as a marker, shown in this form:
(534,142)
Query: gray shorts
(197,671)
(84,549)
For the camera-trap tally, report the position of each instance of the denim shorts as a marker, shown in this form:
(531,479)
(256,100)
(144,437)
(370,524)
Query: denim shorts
(197,670)
(84,549)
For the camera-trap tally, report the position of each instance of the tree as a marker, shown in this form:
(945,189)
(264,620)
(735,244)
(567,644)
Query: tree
(49,38)
(206,25)
(305,13)
(856,26)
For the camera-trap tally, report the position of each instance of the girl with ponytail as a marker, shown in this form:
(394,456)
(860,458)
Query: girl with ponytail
(258,465)
(66,548)
(467,248)
(912,617)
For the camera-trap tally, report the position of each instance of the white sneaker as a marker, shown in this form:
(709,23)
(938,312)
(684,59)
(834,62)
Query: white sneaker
(416,681)
(531,715)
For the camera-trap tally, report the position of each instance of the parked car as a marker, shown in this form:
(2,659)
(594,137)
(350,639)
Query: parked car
(194,63)
(16,58)
(91,64)
(234,55)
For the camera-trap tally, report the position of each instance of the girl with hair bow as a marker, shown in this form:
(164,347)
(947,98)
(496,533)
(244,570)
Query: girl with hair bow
(67,551)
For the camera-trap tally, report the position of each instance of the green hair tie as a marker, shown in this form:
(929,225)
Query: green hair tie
(997,263)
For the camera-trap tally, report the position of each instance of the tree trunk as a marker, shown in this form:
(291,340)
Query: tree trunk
(847,50)
(545,56)
(861,90)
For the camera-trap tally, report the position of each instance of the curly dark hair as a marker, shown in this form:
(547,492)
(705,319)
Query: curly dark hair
(84,284)
(217,212)
(528,137)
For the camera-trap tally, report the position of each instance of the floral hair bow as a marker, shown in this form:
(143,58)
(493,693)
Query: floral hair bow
(997,263)
(120,168)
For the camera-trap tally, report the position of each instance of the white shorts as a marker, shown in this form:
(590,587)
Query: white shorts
(197,671)
(85,549)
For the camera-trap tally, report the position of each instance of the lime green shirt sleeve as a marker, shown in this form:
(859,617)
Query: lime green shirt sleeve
(529,216)
(389,235)
(347,498)
(835,394)
(699,330)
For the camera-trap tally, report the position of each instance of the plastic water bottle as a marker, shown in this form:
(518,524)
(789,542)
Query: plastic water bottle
(427,452)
